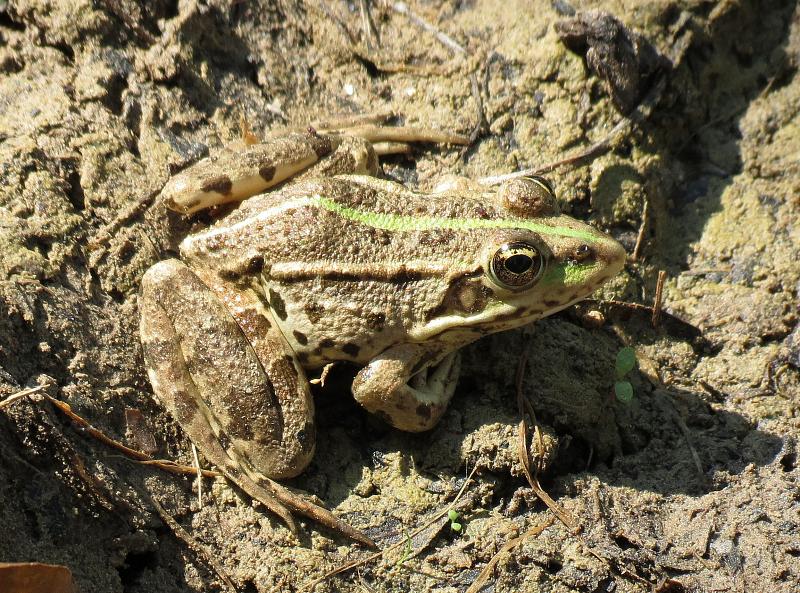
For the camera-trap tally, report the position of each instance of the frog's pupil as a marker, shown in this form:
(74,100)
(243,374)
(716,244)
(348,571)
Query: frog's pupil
(519,263)
(516,266)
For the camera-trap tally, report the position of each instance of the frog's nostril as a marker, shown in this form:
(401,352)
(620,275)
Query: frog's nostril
(582,253)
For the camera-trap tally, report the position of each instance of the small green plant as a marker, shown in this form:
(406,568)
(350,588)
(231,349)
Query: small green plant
(625,363)
(407,549)
(454,524)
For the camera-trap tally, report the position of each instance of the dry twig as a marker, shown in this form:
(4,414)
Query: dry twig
(524,408)
(443,38)
(637,249)
(144,458)
(480,580)
(19,395)
(193,544)
(656,319)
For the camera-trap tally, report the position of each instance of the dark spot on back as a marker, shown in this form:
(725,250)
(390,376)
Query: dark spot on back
(302,357)
(267,172)
(277,304)
(221,184)
(320,144)
(375,321)
(290,361)
(252,323)
(305,436)
(254,265)
(551,303)
(326,343)
(351,349)
(314,312)
(301,338)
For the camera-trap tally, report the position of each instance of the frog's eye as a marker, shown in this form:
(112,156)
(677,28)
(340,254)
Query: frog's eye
(517,265)
(529,197)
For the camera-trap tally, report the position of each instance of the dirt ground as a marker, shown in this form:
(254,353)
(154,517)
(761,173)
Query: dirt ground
(694,485)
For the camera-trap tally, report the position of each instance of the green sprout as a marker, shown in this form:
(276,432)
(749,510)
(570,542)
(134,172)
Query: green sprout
(625,363)
(454,524)
(407,549)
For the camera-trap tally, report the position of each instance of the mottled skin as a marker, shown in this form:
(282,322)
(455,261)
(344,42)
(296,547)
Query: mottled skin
(336,267)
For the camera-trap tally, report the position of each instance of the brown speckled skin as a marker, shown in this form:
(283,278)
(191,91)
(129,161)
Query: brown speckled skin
(282,286)
(347,272)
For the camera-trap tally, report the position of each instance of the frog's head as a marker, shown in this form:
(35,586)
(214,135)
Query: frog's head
(532,262)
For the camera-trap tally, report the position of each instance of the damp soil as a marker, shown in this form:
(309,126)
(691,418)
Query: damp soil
(690,486)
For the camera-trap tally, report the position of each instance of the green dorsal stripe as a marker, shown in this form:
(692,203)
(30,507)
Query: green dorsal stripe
(402,222)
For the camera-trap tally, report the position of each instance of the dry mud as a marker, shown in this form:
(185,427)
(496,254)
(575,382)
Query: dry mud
(692,486)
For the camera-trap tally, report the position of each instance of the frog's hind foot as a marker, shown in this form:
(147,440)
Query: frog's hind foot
(282,501)
(318,513)
(384,137)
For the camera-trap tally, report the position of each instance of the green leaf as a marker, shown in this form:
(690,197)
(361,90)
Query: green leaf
(626,361)
(624,391)
(407,549)
(455,526)
(452,515)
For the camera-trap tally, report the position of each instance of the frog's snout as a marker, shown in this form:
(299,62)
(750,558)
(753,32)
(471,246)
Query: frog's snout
(612,255)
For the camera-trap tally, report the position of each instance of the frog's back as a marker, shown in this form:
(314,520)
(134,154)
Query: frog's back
(350,265)
(348,220)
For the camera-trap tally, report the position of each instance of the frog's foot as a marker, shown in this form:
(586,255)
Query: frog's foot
(391,387)
(397,139)
(384,137)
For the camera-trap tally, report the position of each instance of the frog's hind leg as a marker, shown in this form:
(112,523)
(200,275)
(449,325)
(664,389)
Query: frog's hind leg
(218,366)
(384,137)
(236,174)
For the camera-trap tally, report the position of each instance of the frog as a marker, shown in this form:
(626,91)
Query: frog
(324,262)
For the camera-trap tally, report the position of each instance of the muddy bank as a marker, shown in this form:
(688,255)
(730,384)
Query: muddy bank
(691,486)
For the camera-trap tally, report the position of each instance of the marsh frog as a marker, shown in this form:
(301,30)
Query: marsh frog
(336,264)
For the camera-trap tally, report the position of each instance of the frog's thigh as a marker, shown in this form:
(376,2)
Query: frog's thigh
(205,371)
(415,403)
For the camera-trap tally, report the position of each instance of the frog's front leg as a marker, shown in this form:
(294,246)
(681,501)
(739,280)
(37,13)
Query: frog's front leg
(395,387)
(219,365)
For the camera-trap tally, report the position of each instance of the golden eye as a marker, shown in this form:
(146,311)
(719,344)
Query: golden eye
(516,265)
